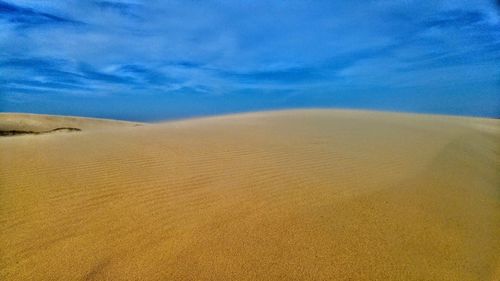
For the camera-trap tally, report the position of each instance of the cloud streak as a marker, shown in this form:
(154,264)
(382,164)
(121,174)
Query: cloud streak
(27,16)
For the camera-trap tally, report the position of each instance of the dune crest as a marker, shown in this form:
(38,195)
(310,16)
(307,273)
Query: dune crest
(290,195)
(35,124)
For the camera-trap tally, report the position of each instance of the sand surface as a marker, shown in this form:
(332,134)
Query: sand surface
(21,123)
(291,195)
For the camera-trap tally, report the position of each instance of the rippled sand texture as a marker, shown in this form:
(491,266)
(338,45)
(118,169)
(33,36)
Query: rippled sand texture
(291,195)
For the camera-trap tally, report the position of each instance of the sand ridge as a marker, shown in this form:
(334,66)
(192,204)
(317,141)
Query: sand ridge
(289,195)
(24,123)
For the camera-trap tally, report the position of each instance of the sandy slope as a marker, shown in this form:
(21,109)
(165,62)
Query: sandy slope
(40,123)
(293,195)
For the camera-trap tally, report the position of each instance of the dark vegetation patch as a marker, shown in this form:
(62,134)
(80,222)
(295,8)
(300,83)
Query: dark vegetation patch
(22,132)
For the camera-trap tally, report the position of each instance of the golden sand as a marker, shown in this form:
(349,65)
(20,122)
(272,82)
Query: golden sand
(39,123)
(291,195)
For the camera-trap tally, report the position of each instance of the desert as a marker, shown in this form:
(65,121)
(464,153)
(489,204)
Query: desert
(284,195)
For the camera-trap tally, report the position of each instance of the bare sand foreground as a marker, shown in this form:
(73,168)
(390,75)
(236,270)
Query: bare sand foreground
(291,195)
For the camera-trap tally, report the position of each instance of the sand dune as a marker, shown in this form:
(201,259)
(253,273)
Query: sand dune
(290,195)
(22,123)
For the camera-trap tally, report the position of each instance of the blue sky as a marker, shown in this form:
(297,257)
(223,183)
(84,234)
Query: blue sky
(154,60)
